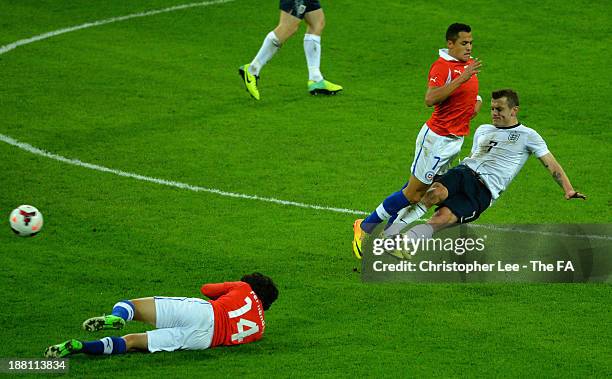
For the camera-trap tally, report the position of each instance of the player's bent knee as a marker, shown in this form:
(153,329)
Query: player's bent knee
(415,190)
(316,21)
(436,194)
(316,28)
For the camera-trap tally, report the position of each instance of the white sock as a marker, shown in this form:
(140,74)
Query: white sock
(268,48)
(312,50)
(405,217)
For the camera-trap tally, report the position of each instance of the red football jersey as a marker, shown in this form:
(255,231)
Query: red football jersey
(453,115)
(239,315)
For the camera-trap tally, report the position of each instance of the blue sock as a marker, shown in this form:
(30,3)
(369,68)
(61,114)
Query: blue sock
(124,309)
(393,217)
(387,209)
(107,345)
(93,347)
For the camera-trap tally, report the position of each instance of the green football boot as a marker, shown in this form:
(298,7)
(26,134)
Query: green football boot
(250,81)
(323,87)
(64,349)
(103,323)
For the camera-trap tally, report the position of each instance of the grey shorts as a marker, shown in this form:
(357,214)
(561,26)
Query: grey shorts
(299,8)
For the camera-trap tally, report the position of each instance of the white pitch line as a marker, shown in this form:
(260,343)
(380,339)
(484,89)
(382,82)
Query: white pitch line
(170,183)
(16,44)
(75,162)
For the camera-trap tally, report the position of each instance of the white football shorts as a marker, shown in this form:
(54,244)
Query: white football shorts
(433,154)
(183,324)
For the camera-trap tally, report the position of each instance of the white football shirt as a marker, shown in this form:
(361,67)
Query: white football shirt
(498,154)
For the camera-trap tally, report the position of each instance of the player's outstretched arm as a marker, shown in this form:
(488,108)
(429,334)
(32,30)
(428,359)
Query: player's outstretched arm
(560,177)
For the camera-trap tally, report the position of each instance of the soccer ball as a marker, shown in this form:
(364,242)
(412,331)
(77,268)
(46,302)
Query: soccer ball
(26,221)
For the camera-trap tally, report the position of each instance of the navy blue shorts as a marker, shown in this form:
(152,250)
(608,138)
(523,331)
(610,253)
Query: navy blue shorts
(467,197)
(299,8)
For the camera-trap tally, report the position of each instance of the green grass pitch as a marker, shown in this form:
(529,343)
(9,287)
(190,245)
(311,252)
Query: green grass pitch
(160,96)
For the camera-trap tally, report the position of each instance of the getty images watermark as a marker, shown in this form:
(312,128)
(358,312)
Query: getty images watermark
(404,245)
(493,253)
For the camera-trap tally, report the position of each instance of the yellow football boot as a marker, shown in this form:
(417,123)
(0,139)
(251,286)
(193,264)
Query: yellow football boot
(358,237)
(323,87)
(250,81)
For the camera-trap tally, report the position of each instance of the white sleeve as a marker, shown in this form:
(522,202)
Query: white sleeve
(536,145)
(477,134)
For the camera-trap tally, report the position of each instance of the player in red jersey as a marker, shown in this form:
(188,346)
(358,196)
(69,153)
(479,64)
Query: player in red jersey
(234,315)
(453,91)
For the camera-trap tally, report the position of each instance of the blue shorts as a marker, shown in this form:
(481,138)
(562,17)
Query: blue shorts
(299,8)
(467,197)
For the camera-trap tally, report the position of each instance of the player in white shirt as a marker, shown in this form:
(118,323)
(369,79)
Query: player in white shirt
(499,151)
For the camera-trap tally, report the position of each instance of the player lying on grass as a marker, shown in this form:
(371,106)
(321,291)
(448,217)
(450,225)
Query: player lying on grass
(499,151)
(234,315)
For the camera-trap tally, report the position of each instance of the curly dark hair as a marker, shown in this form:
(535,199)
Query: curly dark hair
(263,286)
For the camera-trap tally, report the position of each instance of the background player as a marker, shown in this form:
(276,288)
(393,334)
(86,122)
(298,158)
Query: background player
(453,90)
(291,14)
(234,315)
(499,151)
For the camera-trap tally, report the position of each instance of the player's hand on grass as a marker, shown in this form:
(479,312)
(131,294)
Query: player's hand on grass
(574,195)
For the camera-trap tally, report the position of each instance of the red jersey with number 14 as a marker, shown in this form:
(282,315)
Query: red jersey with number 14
(453,115)
(239,315)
